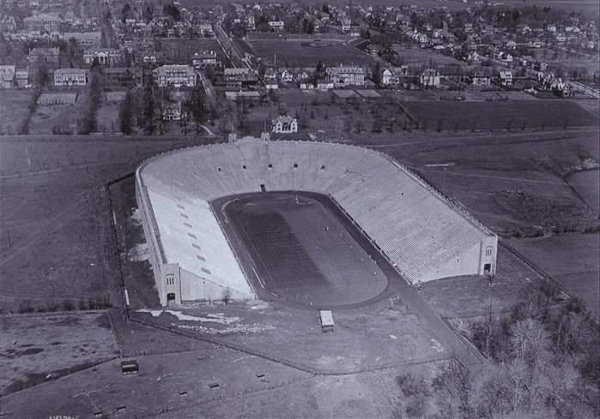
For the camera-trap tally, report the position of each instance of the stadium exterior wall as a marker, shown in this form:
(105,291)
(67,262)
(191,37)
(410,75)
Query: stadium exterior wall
(174,284)
(423,233)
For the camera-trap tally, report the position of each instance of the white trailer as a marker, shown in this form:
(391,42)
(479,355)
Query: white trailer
(326,317)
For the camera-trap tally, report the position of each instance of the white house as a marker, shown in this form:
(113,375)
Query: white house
(284,124)
(430,78)
(346,76)
(286,76)
(277,25)
(70,77)
(7,76)
(393,75)
(505,78)
(204,59)
(176,75)
(104,56)
(481,80)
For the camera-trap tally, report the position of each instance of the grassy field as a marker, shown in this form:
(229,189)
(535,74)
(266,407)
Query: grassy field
(587,184)
(181,50)
(34,347)
(513,183)
(427,57)
(446,116)
(568,60)
(55,221)
(14,108)
(108,117)
(307,54)
(578,273)
(468,296)
(177,385)
(294,334)
(48,119)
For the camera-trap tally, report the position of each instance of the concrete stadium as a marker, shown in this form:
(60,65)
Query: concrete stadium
(198,208)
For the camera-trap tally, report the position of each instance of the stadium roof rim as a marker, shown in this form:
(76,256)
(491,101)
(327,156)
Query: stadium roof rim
(452,203)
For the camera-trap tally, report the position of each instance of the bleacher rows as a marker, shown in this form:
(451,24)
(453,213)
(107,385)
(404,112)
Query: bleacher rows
(420,230)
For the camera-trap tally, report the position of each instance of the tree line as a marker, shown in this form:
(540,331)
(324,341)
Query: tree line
(543,362)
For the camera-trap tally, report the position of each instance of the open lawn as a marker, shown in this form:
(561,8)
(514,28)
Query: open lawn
(35,348)
(58,118)
(513,183)
(181,51)
(108,117)
(307,53)
(572,259)
(383,334)
(587,184)
(426,57)
(464,297)
(14,108)
(568,60)
(55,220)
(446,116)
(184,385)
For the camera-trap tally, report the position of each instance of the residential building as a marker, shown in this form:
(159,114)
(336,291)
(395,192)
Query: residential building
(7,76)
(506,57)
(324,85)
(70,77)
(249,95)
(270,79)
(481,80)
(57,98)
(84,39)
(204,59)
(206,30)
(430,78)
(48,56)
(393,75)
(172,112)
(286,76)
(123,76)
(22,77)
(346,76)
(284,124)
(42,23)
(345,24)
(238,77)
(277,25)
(8,24)
(505,78)
(176,75)
(104,56)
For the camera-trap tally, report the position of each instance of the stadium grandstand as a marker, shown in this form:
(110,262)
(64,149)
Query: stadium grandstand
(423,234)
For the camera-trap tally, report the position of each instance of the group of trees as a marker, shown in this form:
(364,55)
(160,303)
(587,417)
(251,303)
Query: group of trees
(93,99)
(543,362)
(143,109)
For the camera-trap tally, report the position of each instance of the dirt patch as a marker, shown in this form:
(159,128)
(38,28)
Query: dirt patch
(81,341)
(31,351)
